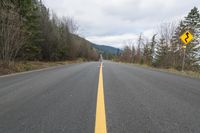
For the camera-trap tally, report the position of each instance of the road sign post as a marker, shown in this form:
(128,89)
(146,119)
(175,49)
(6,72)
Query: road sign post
(185,38)
(183,62)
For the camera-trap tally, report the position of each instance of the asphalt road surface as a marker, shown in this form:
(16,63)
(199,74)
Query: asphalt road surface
(64,99)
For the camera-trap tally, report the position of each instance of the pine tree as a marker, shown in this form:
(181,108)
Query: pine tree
(147,54)
(162,54)
(152,48)
(138,50)
(29,11)
(133,52)
(192,24)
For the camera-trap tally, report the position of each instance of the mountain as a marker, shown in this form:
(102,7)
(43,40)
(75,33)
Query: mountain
(103,49)
(106,49)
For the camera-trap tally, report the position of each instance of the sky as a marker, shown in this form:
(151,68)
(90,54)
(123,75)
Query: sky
(115,22)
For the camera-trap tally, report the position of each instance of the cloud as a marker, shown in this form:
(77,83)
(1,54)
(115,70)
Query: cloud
(120,40)
(113,40)
(110,22)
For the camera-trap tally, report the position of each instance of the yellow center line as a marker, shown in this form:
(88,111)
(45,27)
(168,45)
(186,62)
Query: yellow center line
(100,123)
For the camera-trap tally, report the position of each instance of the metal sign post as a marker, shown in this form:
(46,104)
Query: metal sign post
(183,62)
(185,38)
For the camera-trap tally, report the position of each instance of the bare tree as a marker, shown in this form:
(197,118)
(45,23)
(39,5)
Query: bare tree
(130,44)
(166,31)
(12,35)
(72,25)
(138,50)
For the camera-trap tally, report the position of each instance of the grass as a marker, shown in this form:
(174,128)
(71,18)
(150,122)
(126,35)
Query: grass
(22,66)
(33,65)
(192,74)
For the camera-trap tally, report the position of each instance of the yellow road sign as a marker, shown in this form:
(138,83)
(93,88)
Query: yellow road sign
(186,37)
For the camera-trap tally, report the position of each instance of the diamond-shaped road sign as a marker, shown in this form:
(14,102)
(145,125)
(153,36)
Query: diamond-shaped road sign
(186,37)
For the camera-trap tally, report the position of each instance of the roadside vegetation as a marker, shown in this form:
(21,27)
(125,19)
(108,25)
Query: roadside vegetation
(188,73)
(21,66)
(30,32)
(165,49)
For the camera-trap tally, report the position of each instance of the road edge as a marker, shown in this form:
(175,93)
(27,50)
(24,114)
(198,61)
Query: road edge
(35,70)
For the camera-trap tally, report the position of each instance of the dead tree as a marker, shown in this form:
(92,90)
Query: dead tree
(12,35)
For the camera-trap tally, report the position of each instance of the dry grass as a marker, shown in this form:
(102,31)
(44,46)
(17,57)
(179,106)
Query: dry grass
(192,74)
(31,65)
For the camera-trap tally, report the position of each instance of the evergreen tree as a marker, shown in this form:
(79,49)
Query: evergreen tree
(152,48)
(138,51)
(162,54)
(147,54)
(29,11)
(133,52)
(192,24)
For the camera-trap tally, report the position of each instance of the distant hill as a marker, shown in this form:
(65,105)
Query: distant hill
(106,49)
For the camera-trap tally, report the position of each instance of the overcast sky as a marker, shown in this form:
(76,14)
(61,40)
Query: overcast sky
(111,22)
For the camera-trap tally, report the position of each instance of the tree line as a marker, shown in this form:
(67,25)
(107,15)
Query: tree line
(28,31)
(165,49)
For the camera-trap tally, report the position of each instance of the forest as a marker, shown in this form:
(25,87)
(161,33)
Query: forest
(29,31)
(165,49)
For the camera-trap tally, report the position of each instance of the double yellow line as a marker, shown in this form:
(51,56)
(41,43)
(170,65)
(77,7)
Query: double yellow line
(100,123)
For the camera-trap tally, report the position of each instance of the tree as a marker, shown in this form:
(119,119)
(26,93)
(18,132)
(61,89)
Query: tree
(165,53)
(138,50)
(177,47)
(192,24)
(126,54)
(129,44)
(147,53)
(152,48)
(162,54)
(29,32)
(133,52)
(29,12)
(72,25)
(12,34)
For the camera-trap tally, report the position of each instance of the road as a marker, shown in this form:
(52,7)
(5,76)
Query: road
(64,99)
